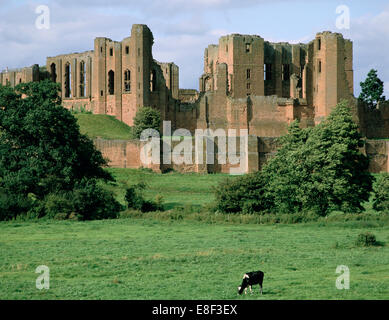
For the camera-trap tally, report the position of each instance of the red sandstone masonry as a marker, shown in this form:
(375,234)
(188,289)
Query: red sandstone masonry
(248,83)
(126,154)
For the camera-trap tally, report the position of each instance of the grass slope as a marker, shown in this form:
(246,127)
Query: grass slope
(103,126)
(176,189)
(147,259)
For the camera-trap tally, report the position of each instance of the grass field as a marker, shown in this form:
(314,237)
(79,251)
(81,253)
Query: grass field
(176,189)
(103,126)
(146,259)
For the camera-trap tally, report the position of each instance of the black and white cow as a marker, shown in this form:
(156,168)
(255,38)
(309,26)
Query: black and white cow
(250,279)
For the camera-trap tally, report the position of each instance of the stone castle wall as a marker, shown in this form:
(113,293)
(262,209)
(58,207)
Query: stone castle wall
(247,83)
(126,154)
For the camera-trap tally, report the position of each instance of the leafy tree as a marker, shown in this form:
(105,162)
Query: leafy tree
(372,89)
(146,118)
(381,193)
(41,148)
(285,172)
(241,194)
(316,170)
(337,172)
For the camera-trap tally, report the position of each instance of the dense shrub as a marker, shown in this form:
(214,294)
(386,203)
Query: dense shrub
(381,193)
(12,205)
(146,118)
(241,194)
(134,196)
(366,239)
(57,204)
(135,199)
(90,201)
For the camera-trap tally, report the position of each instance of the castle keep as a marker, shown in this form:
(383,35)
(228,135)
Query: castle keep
(247,83)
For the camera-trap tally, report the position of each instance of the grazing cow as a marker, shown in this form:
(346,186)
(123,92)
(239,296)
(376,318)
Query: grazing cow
(250,279)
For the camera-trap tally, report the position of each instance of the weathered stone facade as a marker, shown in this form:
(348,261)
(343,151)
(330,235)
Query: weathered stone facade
(247,83)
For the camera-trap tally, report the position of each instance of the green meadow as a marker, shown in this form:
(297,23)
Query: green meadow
(147,258)
(190,189)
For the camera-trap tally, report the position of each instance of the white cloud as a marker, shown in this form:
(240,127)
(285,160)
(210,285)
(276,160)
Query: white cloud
(182,30)
(370,35)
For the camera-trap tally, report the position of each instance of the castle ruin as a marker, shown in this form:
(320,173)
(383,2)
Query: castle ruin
(247,83)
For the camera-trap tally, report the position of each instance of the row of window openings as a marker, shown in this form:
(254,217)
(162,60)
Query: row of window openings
(268,72)
(127,50)
(127,81)
(111,83)
(247,48)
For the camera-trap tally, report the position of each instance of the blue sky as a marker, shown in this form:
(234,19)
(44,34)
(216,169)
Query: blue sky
(182,29)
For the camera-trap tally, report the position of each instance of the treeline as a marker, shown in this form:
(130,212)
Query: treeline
(49,169)
(316,170)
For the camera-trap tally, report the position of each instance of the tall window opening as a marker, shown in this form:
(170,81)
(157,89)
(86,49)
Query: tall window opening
(68,80)
(319,44)
(319,66)
(111,82)
(248,47)
(127,80)
(268,71)
(111,52)
(285,72)
(127,49)
(153,81)
(248,74)
(53,72)
(82,79)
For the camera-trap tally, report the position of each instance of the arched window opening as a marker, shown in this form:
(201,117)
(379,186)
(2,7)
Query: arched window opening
(127,80)
(53,72)
(82,79)
(153,81)
(111,82)
(68,80)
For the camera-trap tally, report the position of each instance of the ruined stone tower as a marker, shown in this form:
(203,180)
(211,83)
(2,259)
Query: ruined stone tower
(247,83)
